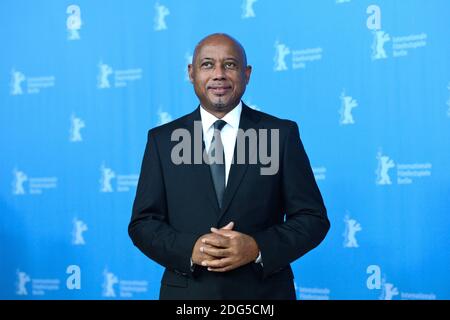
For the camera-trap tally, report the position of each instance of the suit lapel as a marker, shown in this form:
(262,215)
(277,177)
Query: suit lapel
(247,121)
(202,172)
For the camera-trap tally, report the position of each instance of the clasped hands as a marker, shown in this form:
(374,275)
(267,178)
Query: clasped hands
(224,249)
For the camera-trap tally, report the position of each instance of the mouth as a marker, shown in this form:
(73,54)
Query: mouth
(219,90)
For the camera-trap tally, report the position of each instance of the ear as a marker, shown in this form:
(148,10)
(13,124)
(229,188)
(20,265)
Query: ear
(248,72)
(191,72)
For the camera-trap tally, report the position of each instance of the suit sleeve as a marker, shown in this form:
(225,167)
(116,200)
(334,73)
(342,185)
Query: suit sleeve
(306,222)
(149,228)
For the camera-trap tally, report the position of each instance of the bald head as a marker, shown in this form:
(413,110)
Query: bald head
(220,38)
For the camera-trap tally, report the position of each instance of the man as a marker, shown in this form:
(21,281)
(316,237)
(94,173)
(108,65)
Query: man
(226,229)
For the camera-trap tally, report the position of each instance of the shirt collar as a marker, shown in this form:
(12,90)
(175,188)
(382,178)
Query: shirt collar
(231,118)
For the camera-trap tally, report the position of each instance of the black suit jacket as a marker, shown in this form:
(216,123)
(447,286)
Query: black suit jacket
(176,204)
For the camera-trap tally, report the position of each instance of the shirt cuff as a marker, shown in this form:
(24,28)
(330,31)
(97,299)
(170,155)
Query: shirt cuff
(259,259)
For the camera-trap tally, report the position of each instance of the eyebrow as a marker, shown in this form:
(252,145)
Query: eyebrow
(226,59)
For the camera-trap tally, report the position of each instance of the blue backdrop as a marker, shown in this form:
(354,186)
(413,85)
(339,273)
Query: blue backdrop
(368,82)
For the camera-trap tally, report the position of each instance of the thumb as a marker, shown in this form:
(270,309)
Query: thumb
(229,226)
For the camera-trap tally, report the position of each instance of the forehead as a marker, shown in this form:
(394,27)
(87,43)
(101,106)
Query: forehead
(219,47)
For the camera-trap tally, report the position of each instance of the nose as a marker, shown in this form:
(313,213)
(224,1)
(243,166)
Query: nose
(219,73)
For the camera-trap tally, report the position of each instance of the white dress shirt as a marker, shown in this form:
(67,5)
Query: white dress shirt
(228,133)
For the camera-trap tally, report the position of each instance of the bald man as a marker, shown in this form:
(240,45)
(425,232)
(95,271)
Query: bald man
(208,208)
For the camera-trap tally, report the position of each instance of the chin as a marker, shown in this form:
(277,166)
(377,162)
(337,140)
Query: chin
(220,106)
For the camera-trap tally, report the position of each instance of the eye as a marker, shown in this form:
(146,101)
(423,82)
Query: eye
(207,64)
(230,65)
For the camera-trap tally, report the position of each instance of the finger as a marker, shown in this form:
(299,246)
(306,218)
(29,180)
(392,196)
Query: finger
(217,263)
(204,254)
(224,232)
(229,226)
(207,257)
(215,241)
(221,269)
(204,245)
(215,252)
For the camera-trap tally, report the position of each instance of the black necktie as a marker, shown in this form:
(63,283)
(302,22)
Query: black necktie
(217,161)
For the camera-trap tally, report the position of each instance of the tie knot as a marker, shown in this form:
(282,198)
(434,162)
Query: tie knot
(219,124)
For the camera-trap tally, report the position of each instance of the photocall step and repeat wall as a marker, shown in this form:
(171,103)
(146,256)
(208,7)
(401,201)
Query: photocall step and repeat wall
(81,83)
